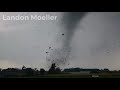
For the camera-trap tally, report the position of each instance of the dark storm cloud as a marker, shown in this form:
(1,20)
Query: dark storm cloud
(99,42)
(95,45)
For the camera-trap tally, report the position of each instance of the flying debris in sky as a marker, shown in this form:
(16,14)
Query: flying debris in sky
(49,47)
(47,52)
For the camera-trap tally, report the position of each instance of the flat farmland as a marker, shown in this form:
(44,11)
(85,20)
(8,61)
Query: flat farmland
(94,75)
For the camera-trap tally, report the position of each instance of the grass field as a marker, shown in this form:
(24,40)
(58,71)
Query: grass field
(76,76)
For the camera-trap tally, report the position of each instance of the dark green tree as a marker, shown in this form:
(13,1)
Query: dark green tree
(42,71)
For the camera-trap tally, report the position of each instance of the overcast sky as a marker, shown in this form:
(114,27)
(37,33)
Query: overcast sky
(95,44)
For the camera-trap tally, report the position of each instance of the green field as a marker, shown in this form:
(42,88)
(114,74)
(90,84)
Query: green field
(73,76)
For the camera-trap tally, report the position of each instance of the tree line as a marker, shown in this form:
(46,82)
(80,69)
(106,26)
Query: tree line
(25,72)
